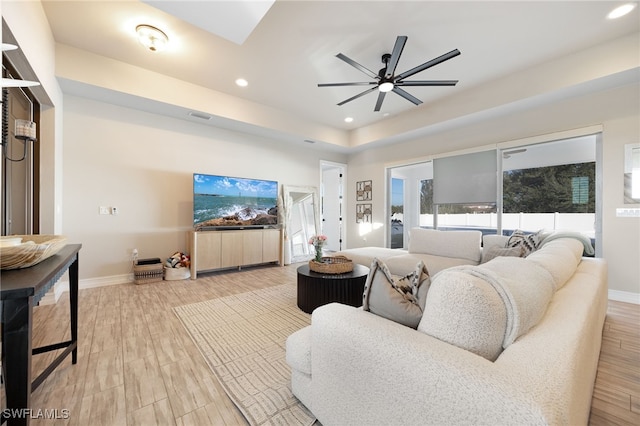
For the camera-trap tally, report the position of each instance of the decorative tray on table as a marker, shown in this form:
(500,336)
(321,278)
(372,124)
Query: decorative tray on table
(332,265)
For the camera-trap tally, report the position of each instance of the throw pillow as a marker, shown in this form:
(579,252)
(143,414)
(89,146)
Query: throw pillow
(495,251)
(528,242)
(399,299)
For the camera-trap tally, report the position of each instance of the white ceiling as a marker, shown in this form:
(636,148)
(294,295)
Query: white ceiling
(293,47)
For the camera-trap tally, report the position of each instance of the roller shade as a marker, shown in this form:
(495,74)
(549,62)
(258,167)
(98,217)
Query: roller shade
(468,178)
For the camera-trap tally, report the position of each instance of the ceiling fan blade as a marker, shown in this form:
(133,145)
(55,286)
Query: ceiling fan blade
(358,95)
(361,83)
(395,56)
(407,96)
(379,101)
(427,83)
(356,65)
(428,64)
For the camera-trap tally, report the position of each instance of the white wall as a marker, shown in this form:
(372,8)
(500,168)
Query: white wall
(143,163)
(621,235)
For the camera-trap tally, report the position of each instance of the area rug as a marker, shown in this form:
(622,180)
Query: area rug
(242,337)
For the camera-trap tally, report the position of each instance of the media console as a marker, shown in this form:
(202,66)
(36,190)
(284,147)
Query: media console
(224,249)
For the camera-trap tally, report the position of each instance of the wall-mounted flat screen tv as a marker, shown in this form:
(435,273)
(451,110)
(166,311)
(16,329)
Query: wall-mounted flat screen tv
(232,202)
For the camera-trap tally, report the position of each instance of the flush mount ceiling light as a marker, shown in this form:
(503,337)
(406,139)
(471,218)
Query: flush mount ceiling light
(620,11)
(242,82)
(152,38)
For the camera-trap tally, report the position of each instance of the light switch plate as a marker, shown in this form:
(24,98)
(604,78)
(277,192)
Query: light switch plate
(628,212)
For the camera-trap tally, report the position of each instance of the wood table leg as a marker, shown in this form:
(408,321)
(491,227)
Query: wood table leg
(16,352)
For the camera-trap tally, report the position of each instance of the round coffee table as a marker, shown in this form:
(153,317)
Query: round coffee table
(315,289)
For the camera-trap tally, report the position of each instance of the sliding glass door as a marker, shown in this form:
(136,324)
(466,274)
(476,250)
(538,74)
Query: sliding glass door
(550,185)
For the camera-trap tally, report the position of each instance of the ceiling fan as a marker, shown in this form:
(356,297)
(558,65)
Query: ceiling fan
(387,81)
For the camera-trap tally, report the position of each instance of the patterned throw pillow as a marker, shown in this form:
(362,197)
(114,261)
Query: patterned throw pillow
(528,242)
(399,299)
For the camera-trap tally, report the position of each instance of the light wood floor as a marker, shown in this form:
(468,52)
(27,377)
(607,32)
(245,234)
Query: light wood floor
(616,396)
(138,366)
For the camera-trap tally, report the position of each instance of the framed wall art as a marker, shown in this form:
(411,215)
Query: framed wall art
(363,213)
(363,190)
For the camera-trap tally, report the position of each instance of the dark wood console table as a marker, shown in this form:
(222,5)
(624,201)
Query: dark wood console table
(20,291)
(316,289)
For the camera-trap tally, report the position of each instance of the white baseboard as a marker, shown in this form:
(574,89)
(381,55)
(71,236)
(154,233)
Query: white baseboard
(624,296)
(62,286)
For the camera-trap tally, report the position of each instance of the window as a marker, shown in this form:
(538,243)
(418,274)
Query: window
(544,186)
(550,186)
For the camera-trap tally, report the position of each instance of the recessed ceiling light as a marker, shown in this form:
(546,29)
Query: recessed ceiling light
(152,38)
(242,82)
(348,119)
(620,11)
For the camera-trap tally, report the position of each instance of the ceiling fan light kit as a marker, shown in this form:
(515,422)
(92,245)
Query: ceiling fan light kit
(386,81)
(152,38)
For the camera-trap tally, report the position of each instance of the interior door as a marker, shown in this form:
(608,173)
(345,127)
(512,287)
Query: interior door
(332,190)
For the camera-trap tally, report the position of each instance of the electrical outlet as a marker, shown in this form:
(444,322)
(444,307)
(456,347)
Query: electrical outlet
(114,210)
(104,210)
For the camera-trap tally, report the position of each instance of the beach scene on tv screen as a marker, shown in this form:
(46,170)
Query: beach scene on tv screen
(229,201)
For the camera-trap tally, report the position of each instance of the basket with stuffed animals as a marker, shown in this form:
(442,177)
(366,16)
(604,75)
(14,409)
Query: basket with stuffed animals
(177,266)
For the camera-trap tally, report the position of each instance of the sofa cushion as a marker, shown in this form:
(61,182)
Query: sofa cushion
(588,249)
(485,308)
(365,255)
(466,312)
(560,257)
(404,264)
(495,251)
(460,244)
(491,240)
(399,299)
(525,288)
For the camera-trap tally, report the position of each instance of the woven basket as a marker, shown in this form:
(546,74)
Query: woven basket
(143,274)
(33,250)
(332,265)
(175,274)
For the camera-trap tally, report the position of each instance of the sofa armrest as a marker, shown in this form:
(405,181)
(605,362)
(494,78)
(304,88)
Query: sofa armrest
(368,370)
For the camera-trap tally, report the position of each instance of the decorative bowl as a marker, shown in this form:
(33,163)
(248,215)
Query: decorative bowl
(33,250)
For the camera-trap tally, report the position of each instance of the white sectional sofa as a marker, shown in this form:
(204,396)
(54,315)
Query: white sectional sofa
(437,249)
(510,341)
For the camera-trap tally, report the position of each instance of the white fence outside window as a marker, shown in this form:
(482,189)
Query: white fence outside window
(579,222)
